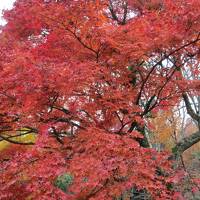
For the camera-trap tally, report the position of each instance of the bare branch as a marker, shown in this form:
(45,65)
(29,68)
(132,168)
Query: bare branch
(189,108)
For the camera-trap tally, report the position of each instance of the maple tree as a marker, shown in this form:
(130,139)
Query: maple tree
(85,76)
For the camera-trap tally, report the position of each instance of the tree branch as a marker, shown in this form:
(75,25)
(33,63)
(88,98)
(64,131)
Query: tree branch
(189,108)
(186,143)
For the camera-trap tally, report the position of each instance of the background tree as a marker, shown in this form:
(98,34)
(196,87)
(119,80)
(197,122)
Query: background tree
(165,129)
(85,76)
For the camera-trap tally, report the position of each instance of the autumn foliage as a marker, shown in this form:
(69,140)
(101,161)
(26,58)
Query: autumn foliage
(85,76)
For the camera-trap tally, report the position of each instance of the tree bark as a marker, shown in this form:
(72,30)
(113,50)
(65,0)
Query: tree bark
(192,139)
(186,143)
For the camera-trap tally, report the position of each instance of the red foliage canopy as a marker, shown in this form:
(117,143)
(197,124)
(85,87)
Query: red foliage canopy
(85,75)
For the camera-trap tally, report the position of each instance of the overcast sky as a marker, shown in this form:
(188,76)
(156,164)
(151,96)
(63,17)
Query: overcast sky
(5,4)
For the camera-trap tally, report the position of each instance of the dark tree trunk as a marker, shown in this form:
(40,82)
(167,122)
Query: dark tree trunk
(186,143)
(192,139)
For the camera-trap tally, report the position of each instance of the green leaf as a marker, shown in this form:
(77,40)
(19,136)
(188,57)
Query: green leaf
(64,181)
